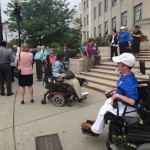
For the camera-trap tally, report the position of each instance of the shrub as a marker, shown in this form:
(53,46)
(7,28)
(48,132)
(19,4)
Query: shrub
(102,40)
(73,53)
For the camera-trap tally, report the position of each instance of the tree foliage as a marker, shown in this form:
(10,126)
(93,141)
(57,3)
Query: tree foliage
(45,21)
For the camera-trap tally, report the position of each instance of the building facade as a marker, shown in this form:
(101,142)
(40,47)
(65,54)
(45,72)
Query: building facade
(99,17)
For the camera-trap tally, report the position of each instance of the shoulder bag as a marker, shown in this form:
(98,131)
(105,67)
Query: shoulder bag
(17,71)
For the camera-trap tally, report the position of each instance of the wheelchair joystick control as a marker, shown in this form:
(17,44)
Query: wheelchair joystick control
(108,95)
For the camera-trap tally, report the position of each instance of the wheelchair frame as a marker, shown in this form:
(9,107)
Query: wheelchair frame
(133,132)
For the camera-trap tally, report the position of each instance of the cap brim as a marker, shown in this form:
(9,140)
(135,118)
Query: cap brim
(116,59)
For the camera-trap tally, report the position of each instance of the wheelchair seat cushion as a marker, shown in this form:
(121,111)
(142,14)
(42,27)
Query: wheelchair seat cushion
(131,121)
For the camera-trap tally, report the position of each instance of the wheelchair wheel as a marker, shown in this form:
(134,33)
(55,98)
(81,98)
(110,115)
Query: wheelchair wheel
(58,100)
(145,146)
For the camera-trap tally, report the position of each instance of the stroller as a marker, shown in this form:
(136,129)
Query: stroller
(58,92)
(131,132)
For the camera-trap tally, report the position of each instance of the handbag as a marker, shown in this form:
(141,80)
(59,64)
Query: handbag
(17,71)
(69,74)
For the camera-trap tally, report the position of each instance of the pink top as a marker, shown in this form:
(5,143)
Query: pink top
(26,59)
(52,59)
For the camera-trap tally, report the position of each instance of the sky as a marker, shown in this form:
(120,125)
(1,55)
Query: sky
(5,2)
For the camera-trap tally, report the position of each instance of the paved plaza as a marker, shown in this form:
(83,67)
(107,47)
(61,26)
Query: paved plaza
(32,120)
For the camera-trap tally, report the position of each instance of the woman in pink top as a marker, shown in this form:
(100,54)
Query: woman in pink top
(26,78)
(51,58)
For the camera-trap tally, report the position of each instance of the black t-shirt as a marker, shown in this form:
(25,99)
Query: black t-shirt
(136,39)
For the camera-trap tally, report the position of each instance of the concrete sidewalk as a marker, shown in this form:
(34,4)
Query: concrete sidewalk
(32,120)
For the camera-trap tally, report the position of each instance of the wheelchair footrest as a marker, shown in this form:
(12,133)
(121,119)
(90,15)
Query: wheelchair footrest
(89,132)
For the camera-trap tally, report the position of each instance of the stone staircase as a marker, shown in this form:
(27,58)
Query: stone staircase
(104,76)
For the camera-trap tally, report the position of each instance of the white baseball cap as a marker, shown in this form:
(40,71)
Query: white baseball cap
(123,27)
(126,58)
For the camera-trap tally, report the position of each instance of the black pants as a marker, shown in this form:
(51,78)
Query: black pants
(113,50)
(12,73)
(5,75)
(123,47)
(39,69)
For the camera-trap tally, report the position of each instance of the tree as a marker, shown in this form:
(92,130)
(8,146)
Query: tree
(42,18)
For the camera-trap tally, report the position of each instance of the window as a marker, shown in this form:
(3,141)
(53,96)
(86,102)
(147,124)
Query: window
(87,19)
(114,23)
(100,9)
(87,3)
(106,27)
(95,32)
(124,18)
(84,36)
(84,6)
(106,5)
(87,34)
(114,2)
(94,13)
(84,22)
(100,30)
(138,15)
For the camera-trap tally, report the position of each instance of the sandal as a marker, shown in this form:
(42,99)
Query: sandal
(32,100)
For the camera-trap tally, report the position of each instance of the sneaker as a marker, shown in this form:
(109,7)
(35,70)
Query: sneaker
(84,94)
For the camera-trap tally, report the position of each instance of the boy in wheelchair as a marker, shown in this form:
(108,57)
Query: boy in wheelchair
(61,88)
(118,111)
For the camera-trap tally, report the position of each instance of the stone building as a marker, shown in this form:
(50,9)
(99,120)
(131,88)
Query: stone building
(99,17)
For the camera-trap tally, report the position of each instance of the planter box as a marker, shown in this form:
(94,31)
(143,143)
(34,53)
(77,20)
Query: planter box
(77,65)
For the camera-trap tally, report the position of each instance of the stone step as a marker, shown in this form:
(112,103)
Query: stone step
(147,64)
(145,56)
(111,73)
(99,81)
(97,87)
(97,75)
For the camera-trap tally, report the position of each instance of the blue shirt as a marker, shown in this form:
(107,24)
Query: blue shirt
(57,68)
(128,86)
(38,56)
(124,37)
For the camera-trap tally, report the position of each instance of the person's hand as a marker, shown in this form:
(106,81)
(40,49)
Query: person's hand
(62,75)
(130,44)
(108,91)
(113,98)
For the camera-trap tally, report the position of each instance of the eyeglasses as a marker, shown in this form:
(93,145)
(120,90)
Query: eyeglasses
(52,53)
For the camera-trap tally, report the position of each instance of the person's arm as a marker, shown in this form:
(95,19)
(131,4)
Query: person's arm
(12,59)
(139,35)
(110,90)
(86,50)
(123,98)
(128,37)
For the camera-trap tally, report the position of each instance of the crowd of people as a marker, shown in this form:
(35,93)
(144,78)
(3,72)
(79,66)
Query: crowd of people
(127,42)
(23,59)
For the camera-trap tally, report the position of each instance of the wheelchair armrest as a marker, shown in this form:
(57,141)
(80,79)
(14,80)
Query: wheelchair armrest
(125,103)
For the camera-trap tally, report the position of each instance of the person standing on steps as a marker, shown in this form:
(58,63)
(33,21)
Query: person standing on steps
(113,42)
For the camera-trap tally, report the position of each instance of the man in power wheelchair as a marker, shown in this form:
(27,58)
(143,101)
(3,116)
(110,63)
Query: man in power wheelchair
(123,111)
(61,89)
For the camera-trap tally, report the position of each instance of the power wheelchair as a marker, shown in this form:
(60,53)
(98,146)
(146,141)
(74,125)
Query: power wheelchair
(58,92)
(131,132)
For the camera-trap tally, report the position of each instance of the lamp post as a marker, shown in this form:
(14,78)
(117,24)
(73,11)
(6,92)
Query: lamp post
(1,33)
(17,11)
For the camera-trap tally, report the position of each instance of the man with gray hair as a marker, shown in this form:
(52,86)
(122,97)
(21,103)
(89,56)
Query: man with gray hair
(6,56)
